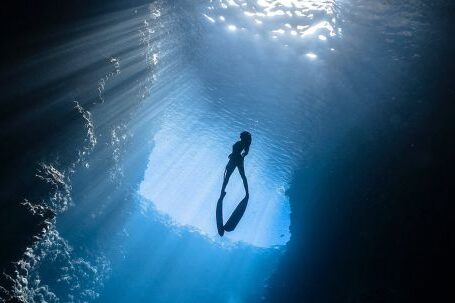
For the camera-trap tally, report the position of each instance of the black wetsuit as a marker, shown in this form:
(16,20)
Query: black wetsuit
(236,158)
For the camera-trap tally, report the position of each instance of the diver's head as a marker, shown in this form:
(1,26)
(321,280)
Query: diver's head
(245,137)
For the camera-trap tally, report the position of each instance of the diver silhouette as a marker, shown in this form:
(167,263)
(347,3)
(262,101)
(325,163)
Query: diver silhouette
(236,160)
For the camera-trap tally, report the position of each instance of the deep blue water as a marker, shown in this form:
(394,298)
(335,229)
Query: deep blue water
(139,109)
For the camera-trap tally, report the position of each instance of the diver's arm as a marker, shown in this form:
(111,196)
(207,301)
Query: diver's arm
(245,151)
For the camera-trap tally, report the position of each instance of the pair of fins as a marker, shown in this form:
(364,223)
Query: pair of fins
(234,219)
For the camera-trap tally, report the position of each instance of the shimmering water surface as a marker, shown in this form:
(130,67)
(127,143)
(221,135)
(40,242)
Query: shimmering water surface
(157,95)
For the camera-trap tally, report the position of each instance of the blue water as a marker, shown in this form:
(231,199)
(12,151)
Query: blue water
(161,93)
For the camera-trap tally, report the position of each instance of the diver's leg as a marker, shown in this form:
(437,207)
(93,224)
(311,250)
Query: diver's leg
(242,174)
(227,174)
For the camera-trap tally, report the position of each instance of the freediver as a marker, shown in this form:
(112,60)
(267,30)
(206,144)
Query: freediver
(236,160)
(239,151)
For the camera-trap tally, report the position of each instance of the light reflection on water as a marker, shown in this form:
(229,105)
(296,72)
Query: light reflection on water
(283,20)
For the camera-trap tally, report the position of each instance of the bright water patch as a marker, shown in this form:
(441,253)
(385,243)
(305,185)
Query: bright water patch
(185,172)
